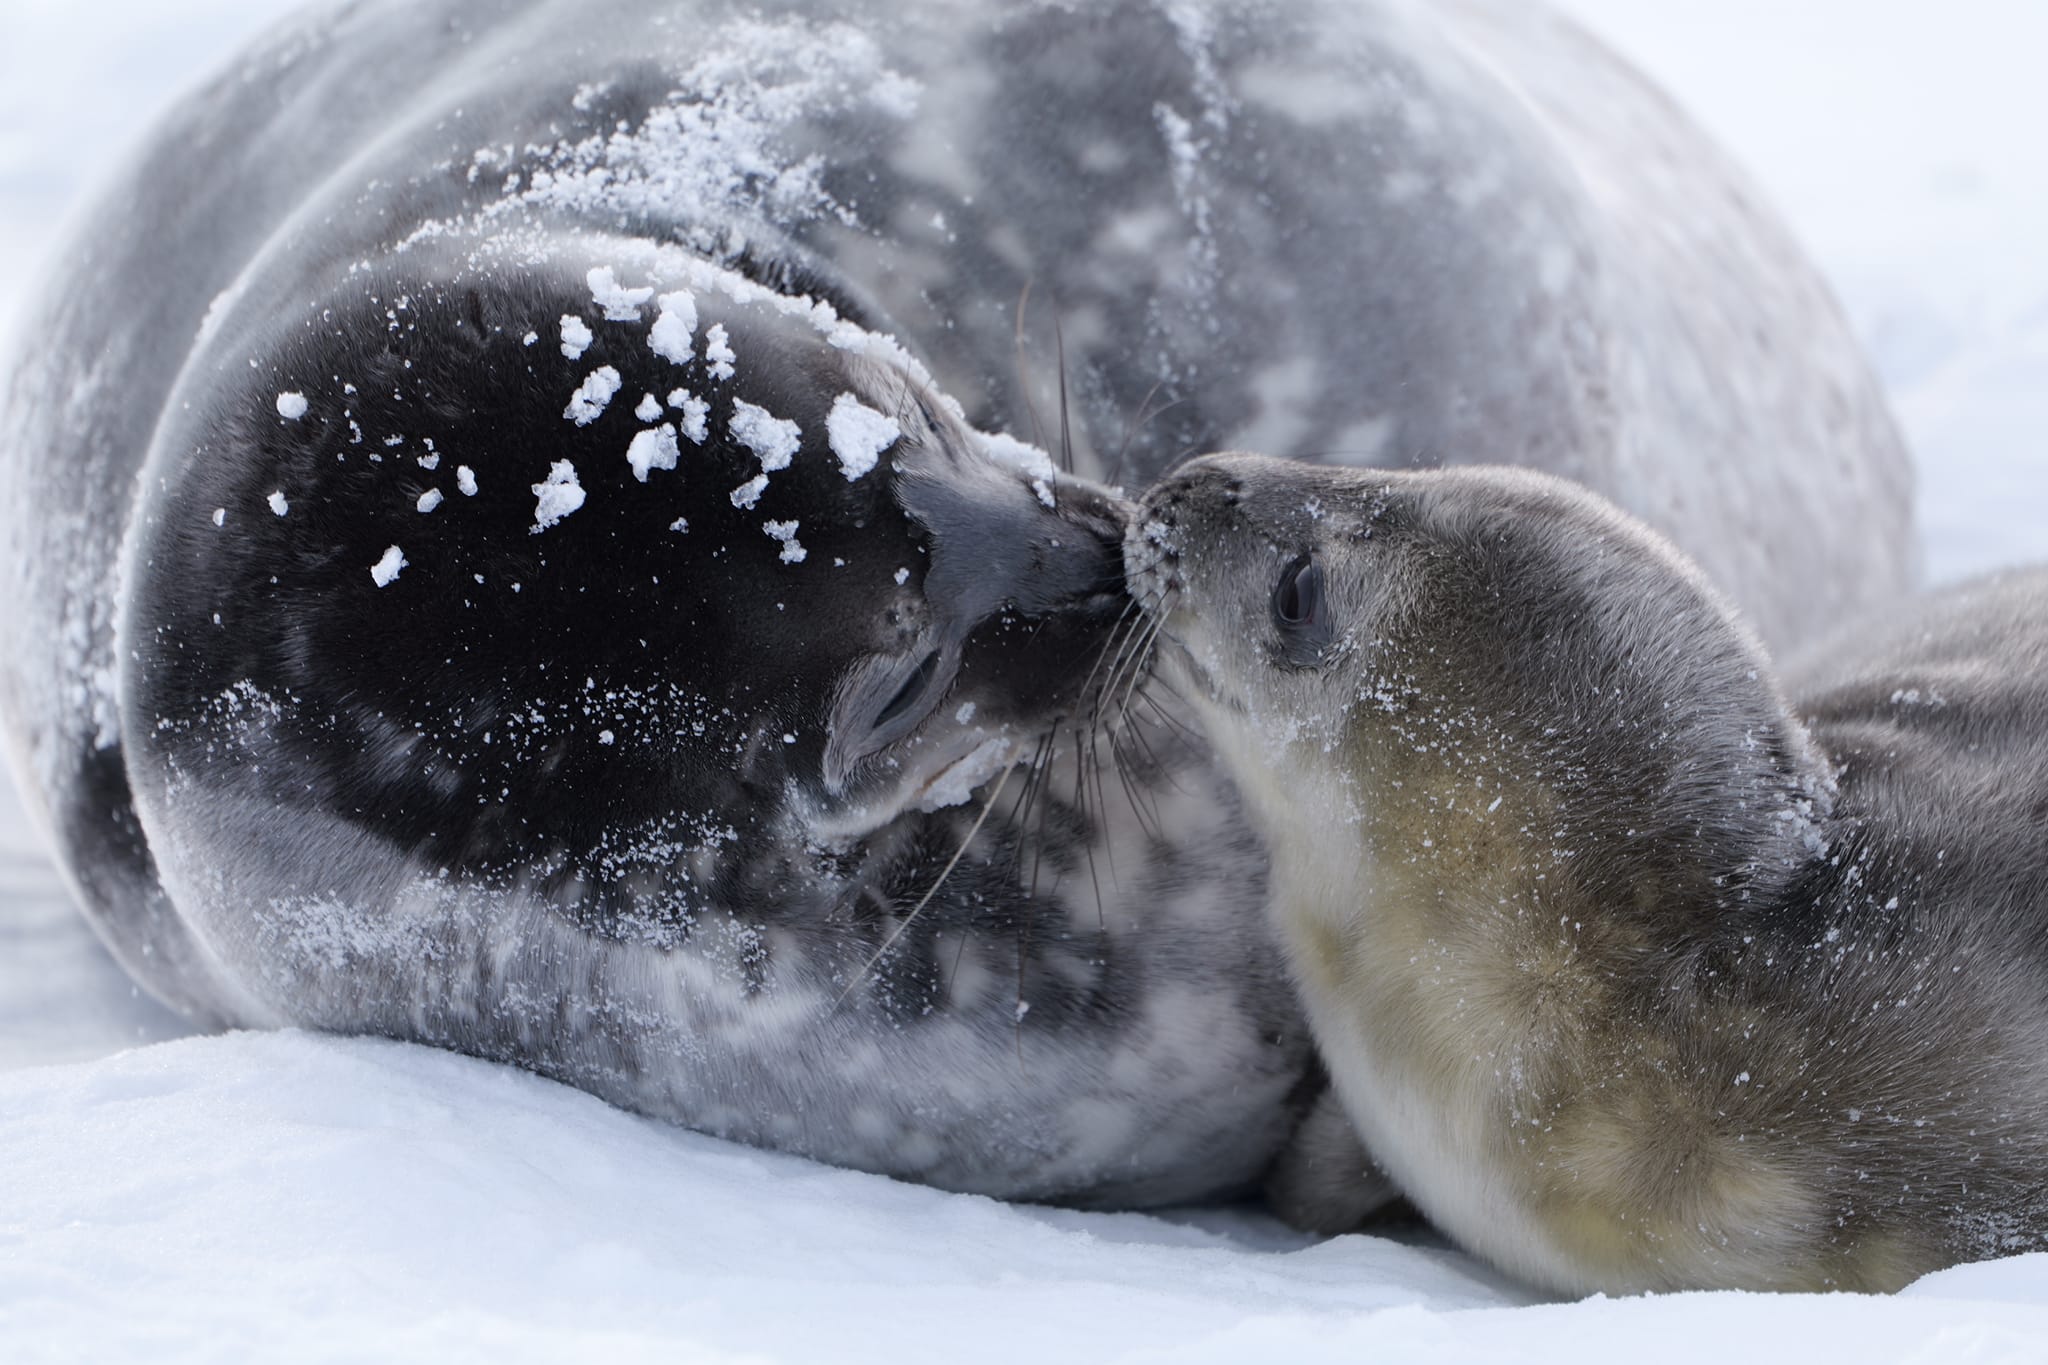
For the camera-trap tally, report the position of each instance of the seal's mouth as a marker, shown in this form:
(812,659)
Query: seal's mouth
(956,782)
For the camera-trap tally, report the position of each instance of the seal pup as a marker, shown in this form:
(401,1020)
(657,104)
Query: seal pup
(1635,974)
(694,799)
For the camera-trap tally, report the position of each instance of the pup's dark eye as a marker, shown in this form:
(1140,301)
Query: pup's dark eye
(1298,598)
(913,688)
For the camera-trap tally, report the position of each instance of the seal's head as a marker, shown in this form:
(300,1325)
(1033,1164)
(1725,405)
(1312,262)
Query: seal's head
(1366,642)
(577,565)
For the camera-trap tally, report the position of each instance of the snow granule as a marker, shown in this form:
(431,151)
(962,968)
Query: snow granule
(649,408)
(576,336)
(696,414)
(674,327)
(654,448)
(1026,459)
(597,389)
(556,496)
(859,434)
(220,516)
(681,526)
(785,531)
(529,338)
(749,493)
(387,566)
(429,500)
(619,303)
(956,785)
(277,502)
(718,352)
(902,577)
(773,438)
(605,737)
(465,480)
(291,406)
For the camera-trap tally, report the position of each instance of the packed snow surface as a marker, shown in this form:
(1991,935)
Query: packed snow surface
(287,1196)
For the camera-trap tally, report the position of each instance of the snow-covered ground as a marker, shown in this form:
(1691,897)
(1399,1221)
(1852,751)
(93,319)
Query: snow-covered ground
(291,1197)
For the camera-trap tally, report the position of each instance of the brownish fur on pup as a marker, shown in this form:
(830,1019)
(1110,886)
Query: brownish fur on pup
(1630,978)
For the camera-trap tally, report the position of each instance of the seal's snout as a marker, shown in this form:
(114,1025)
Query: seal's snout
(1084,563)
(1183,507)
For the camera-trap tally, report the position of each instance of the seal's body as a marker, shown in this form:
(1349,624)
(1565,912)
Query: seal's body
(481,571)
(1632,977)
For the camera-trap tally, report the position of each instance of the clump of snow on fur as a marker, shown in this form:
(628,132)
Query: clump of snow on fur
(291,406)
(278,503)
(220,516)
(859,434)
(681,525)
(649,408)
(785,531)
(385,570)
(1028,460)
(774,439)
(620,304)
(718,352)
(749,493)
(429,500)
(654,448)
(556,496)
(720,140)
(670,337)
(465,480)
(956,785)
(588,402)
(696,414)
(576,336)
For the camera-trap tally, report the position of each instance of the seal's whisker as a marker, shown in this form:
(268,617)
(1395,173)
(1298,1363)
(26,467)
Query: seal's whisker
(1146,815)
(1141,663)
(1099,710)
(1160,767)
(1035,785)
(1023,375)
(944,872)
(1163,716)
(1130,611)
(1134,641)
(1138,422)
(1081,759)
(1059,338)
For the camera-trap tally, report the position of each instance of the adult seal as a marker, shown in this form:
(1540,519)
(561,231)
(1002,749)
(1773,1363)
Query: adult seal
(502,548)
(1635,973)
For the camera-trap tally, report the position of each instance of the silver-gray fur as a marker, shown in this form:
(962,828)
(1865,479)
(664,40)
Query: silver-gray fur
(643,792)
(1635,974)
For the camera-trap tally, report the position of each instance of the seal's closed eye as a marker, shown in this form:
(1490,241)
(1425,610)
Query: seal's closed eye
(913,689)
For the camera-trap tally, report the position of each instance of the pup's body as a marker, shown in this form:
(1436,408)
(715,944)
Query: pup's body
(1633,974)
